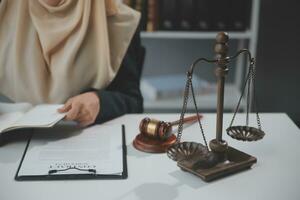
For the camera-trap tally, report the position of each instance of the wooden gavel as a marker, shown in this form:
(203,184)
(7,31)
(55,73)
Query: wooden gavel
(161,130)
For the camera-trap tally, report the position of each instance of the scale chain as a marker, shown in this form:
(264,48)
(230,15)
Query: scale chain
(248,94)
(253,76)
(249,80)
(200,124)
(185,98)
(241,97)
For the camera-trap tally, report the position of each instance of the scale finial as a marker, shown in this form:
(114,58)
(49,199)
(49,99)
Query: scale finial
(221,45)
(222,37)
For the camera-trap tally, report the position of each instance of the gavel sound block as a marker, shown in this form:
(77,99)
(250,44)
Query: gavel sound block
(156,136)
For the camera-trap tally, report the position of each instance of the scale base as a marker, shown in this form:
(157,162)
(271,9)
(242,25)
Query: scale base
(236,161)
(149,145)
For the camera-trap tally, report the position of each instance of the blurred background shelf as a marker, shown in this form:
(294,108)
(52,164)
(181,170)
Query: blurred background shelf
(171,47)
(192,35)
(205,102)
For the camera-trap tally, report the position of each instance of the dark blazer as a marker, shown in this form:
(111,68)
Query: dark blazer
(123,94)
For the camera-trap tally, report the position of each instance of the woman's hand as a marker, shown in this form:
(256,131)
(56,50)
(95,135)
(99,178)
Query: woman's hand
(83,108)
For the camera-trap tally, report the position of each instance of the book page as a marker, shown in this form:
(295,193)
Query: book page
(11,112)
(14,107)
(98,147)
(40,116)
(8,119)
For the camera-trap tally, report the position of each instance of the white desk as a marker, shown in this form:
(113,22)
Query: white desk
(155,176)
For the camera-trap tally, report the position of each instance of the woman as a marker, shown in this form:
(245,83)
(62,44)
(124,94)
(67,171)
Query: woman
(75,52)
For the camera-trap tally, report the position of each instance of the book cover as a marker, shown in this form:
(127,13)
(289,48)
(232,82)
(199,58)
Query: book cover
(168,14)
(186,14)
(240,12)
(220,14)
(203,16)
(141,6)
(153,15)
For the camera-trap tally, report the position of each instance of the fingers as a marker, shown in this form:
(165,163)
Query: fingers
(83,108)
(73,113)
(66,107)
(85,119)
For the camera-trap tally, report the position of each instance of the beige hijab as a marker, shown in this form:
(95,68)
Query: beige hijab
(50,53)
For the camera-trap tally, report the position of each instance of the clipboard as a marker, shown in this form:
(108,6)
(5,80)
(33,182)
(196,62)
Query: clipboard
(89,175)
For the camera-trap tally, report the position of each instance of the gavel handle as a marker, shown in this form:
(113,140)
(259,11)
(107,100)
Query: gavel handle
(190,119)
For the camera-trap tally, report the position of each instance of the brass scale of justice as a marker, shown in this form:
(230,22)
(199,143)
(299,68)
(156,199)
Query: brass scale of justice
(218,159)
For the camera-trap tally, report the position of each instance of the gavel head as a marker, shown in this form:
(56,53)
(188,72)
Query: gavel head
(155,129)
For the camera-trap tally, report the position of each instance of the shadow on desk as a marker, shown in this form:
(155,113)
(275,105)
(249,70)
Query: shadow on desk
(14,137)
(131,151)
(150,191)
(158,190)
(11,150)
(10,143)
(185,178)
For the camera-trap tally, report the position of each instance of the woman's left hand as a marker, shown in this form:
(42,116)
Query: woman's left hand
(82,108)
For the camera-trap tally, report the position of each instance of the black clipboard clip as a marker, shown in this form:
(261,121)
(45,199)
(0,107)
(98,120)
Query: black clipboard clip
(54,171)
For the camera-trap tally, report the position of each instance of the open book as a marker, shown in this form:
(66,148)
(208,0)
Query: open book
(24,115)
